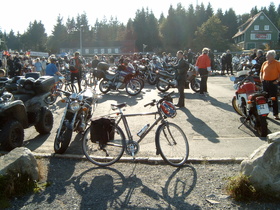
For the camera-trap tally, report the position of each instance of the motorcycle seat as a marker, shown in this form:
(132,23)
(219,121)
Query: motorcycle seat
(110,76)
(256,94)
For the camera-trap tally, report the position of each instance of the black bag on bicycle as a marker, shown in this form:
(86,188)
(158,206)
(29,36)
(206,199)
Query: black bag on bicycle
(102,130)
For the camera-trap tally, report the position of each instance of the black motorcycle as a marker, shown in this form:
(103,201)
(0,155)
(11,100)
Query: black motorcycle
(76,116)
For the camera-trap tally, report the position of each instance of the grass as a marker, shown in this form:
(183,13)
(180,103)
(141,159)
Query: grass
(240,188)
(17,183)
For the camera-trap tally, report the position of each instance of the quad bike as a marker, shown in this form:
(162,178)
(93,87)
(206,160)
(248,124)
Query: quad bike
(22,106)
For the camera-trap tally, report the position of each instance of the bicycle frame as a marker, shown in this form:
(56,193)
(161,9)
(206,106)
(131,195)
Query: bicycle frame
(127,129)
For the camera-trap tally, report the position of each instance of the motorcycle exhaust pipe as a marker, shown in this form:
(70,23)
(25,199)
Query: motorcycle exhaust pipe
(163,80)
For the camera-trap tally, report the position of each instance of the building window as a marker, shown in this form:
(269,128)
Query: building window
(109,50)
(102,51)
(117,50)
(95,51)
(266,27)
(268,37)
(87,51)
(253,36)
(262,17)
(256,27)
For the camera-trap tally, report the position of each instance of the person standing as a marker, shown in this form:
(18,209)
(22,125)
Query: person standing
(181,67)
(76,66)
(38,66)
(270,77)
(260,59)
(203,67)
(190,56)
(229,62)
(44,65)
(17,64)
(223,62)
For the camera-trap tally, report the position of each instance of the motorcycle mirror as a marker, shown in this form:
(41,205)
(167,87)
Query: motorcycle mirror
(254,62)
(232,78)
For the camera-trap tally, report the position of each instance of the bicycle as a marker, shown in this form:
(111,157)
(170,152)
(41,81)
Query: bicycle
(171,142)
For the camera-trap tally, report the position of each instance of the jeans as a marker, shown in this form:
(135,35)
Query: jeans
(203,83)
(78,76)
(271,89)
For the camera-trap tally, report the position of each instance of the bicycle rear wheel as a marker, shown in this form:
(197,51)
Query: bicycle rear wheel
(104,155)
(172,144)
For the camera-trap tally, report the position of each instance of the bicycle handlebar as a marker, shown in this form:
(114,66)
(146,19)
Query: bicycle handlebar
(65,92)
(154,100)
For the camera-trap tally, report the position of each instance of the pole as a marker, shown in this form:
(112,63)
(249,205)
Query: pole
(81,45)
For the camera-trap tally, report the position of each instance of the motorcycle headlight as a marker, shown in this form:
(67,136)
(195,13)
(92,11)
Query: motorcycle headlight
(75,106)
(73,96)
(80,97)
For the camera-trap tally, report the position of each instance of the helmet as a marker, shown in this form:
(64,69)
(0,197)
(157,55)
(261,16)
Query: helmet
(168,109)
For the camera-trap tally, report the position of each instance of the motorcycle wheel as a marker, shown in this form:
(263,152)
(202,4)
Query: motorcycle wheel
(195,85)
(152,79)
(141,81)
(260,124)
(45,123)
(133,87)
(62,140)
(11,135)
(104,86)
(162,86)
(235,106)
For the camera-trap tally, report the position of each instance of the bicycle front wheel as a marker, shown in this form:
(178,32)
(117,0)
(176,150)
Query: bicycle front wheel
(172,144)
(104,155)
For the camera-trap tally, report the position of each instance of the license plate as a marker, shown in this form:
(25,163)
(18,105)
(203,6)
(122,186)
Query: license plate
(262,109)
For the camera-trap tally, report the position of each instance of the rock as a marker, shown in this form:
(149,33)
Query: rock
(19,159)
(263,167)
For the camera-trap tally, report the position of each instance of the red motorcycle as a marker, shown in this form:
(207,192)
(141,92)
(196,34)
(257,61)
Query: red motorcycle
(251,103)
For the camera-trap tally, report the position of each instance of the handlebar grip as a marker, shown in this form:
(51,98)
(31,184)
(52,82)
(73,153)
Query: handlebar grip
(147,104)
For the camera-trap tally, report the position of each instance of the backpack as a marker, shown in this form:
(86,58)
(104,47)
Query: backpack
(102,130)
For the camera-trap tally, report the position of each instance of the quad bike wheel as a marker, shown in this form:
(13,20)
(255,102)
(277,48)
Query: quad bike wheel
(11,135)
(45,124)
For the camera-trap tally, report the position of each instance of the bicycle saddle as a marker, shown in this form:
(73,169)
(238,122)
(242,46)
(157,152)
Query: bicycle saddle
(122,105)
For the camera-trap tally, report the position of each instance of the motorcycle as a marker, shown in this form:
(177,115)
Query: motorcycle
(117,80)
(76,116)
(166,79)
(251,103)
(22,106)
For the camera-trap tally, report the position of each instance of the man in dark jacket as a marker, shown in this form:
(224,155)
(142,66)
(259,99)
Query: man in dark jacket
(229,62)
(181,67)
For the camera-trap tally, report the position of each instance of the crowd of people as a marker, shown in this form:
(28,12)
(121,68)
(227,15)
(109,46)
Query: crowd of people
(205,63)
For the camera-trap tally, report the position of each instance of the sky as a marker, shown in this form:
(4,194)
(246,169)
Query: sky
(18,14)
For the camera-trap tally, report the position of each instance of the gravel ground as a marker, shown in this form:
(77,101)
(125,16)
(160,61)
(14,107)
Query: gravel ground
(78,184)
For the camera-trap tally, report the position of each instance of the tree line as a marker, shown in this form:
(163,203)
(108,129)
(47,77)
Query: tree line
(182,28)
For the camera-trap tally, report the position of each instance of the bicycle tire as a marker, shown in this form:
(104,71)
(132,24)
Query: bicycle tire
(172,144)
(104,155)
